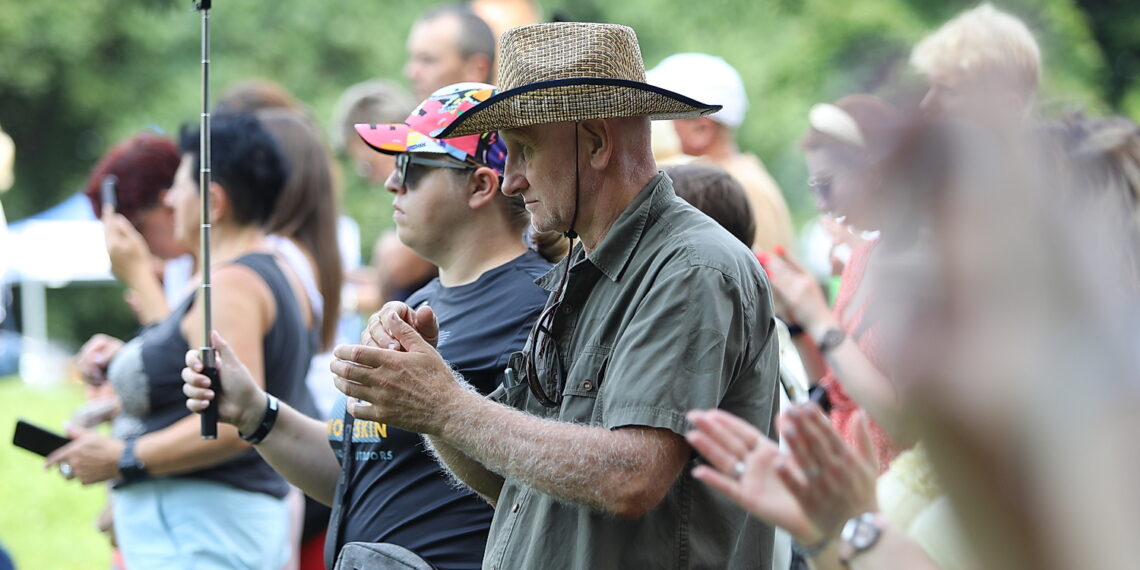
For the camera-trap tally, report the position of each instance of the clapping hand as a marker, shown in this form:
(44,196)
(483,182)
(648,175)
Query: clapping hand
(795,291)
(809,490)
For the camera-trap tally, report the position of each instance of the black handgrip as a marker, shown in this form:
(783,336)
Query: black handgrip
(818,394)
(210,414)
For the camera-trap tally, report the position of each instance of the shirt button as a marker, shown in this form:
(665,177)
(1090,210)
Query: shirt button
(567,309)
(587,385)
(515,508)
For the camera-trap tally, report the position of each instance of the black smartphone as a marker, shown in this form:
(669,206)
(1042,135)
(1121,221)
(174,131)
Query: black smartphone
(110,197)
(37,439)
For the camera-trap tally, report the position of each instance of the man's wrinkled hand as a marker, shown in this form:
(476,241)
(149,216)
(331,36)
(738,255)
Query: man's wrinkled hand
(377,334)
(410,387)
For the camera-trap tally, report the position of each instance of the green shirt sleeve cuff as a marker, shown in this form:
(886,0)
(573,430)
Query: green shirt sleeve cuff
(646,416)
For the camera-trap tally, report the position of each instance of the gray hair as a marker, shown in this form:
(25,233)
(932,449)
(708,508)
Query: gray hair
(373,101)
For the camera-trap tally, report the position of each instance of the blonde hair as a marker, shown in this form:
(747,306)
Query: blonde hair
(983,41)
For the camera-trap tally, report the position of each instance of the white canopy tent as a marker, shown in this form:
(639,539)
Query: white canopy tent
(53,249)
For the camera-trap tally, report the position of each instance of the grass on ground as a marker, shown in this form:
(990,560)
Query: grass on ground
(45,521)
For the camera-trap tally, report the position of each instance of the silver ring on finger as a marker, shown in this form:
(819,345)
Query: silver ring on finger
(66,470)
(739,468)
(811,473)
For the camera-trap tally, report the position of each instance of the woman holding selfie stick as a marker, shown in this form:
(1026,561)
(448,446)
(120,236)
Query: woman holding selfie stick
(179,497)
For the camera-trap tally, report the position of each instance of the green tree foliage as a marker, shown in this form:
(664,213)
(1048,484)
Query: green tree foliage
(1114,24)
(76,76)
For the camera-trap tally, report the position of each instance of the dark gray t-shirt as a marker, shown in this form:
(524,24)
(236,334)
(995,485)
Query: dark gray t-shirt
(398,492)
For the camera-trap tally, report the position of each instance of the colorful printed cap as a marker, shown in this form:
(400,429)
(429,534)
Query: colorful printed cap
(435,113)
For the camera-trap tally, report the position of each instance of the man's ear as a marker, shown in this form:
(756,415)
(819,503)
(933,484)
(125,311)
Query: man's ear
(478,68)
(596,142)
(482,186)
(219,203)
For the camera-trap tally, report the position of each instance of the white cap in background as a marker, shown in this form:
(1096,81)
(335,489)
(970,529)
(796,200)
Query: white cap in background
(705,78)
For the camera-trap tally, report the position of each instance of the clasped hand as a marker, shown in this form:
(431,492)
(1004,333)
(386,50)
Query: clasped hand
(395,375)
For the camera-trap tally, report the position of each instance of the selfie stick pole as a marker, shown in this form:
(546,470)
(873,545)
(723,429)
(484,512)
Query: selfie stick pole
(209,357)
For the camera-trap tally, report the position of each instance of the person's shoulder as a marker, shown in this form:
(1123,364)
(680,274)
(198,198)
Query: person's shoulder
(244,276)
(514,282)
(530,265)
(696,239)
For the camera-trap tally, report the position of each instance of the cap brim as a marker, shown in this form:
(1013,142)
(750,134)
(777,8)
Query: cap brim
(574,99)
(399,138)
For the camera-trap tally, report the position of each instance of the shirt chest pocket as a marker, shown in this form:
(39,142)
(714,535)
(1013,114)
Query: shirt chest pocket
(583,381)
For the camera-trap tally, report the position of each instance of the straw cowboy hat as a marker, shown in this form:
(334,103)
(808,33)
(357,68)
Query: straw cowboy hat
(550,73)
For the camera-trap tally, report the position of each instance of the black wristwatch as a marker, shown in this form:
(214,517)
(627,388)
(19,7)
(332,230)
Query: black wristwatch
(130,467)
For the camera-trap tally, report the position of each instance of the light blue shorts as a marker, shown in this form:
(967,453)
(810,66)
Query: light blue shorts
(173,524)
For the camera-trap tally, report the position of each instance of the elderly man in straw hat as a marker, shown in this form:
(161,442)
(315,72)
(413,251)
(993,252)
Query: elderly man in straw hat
(657,311)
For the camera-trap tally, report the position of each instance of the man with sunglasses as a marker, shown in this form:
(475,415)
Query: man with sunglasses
(387,488)
(658,311)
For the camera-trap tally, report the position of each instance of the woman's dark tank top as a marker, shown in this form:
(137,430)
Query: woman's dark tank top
(146,374)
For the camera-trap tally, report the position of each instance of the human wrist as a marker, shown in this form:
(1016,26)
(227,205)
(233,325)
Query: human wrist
(816,327)
(455,415)
(266,424)
(860,534)
(134,274)
(252,412)
(813,545)
(129,467)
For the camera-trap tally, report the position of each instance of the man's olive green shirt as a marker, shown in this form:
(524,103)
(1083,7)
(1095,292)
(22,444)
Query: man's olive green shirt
(668,314)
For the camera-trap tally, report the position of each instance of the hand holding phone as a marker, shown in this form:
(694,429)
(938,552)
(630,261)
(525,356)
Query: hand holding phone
(36,439)
(109,194)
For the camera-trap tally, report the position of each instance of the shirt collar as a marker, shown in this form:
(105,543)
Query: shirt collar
(613,254)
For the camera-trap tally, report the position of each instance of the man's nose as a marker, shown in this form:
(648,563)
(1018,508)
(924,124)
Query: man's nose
(392,183)
(514,183)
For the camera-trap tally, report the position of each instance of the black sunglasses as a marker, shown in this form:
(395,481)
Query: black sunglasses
(544,342)
(407,177)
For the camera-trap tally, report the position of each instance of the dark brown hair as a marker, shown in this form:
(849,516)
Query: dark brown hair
(307,209)
(712,190)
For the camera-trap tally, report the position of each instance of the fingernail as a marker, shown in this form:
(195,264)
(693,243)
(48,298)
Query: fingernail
(790,431)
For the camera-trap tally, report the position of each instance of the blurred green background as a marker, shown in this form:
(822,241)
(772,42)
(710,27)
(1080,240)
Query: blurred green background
(45,521)
(77,76)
